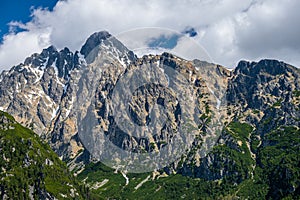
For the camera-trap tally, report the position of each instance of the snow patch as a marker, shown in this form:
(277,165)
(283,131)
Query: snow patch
(70,107)
(115,53)
(2,76)
(18,86)
(218,100)
(55,68)
(54,112)
(44,65)
(38,73)
(122,62)
(81,59)
(4,107)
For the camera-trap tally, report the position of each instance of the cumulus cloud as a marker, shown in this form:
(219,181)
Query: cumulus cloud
(229,30)
(271,28)
(16,47)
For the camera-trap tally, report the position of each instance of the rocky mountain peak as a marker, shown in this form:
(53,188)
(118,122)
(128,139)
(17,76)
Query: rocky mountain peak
(262,86)
(45,58)
(258,102)
(269,66)
(94,40)
(102,45)
(63,61)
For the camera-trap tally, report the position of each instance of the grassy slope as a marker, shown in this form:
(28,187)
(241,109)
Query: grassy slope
(276,170)
(276,173)
(23,164)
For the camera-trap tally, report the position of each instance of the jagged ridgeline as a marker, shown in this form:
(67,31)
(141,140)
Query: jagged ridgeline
(254,156)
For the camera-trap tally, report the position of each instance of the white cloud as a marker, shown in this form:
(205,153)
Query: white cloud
(229,30)
(190,49)
(271,29)
(220,41)
(16,47)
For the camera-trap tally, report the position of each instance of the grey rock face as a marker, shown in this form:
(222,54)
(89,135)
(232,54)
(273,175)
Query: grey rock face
(93,41)
(264,96)
(33,91)
(49,92)
(264,86)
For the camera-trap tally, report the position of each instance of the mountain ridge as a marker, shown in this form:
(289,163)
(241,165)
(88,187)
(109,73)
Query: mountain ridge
(256,101)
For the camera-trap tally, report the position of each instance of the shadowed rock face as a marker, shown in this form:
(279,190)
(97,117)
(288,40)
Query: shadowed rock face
(50,90)
(93,41)
(261,85)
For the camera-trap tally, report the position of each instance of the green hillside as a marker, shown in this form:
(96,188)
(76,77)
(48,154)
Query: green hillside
(273,174)
(29,168)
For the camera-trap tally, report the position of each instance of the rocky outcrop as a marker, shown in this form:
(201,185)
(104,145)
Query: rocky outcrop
(73,100)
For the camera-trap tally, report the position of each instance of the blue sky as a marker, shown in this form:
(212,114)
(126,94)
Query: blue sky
(19,10)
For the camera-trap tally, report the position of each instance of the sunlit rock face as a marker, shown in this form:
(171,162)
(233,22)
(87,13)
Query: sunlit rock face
(75,101)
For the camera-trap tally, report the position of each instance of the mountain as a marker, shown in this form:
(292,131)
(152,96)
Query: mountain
(195,130)
(29,168)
